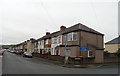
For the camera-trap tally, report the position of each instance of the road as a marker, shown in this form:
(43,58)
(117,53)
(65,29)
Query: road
(16,64)
(0,65)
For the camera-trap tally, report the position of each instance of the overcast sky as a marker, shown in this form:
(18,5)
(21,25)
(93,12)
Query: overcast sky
(21,20)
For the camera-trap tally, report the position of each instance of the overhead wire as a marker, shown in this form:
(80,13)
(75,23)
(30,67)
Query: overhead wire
(49,16)
(93,8)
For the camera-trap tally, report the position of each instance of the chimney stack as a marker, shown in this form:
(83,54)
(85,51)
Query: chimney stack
(28,40)
(62,27)
(32,39)
(47,33)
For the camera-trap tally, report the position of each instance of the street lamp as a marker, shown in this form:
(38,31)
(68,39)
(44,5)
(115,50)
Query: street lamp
(65,52)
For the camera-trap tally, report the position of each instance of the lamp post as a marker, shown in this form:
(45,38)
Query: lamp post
(65,52)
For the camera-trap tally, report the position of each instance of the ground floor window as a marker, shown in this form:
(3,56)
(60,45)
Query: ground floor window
(67,52)
(90,53)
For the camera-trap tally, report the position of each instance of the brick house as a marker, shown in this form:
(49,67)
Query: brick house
(79,36)
(77,40)
(44,43)
(35,42)
(30,45)
(55,42)
(40,46)
(24,46)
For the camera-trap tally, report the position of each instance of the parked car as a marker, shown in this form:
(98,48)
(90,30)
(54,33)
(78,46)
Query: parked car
(12,51)
(1,52)
(27,54)
(19,52)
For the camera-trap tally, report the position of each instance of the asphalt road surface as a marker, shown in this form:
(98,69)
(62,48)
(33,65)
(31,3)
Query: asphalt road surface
(0,64)
(16,64)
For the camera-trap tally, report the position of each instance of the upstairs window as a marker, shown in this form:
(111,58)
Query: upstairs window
(69,37)
(59,39)
(46,42)
(54,40)
(64,39)
(72,36)
(40,43)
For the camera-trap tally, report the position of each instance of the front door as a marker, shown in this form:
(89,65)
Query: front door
(56,52)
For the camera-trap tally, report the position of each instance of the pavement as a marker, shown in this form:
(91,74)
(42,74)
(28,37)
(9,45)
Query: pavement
(16,64)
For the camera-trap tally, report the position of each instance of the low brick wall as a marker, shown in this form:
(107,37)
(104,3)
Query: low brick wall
(56,58)
(61,58)
(111,59)
(73,61)
(51,57)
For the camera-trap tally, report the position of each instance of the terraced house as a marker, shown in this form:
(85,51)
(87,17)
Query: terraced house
(80,40)
(77,40)
(30,45)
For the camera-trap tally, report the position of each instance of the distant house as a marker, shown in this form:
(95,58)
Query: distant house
(35,46)
(47,42)
(44,43)
(113,45)
(24,46)
(40,46)
(30,45)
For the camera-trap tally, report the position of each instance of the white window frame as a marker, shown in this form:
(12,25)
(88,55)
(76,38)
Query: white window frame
(89,53)
(54,40)
(47,41)
(70,35)
(65,39)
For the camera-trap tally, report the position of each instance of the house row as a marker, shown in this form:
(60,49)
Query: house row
(77,40)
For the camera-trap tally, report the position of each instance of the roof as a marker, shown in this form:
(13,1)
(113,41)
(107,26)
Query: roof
(114,41)
(45,37)
(75,27)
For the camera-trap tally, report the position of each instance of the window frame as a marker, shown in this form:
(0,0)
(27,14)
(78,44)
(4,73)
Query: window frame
(70,36)
(90,53)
